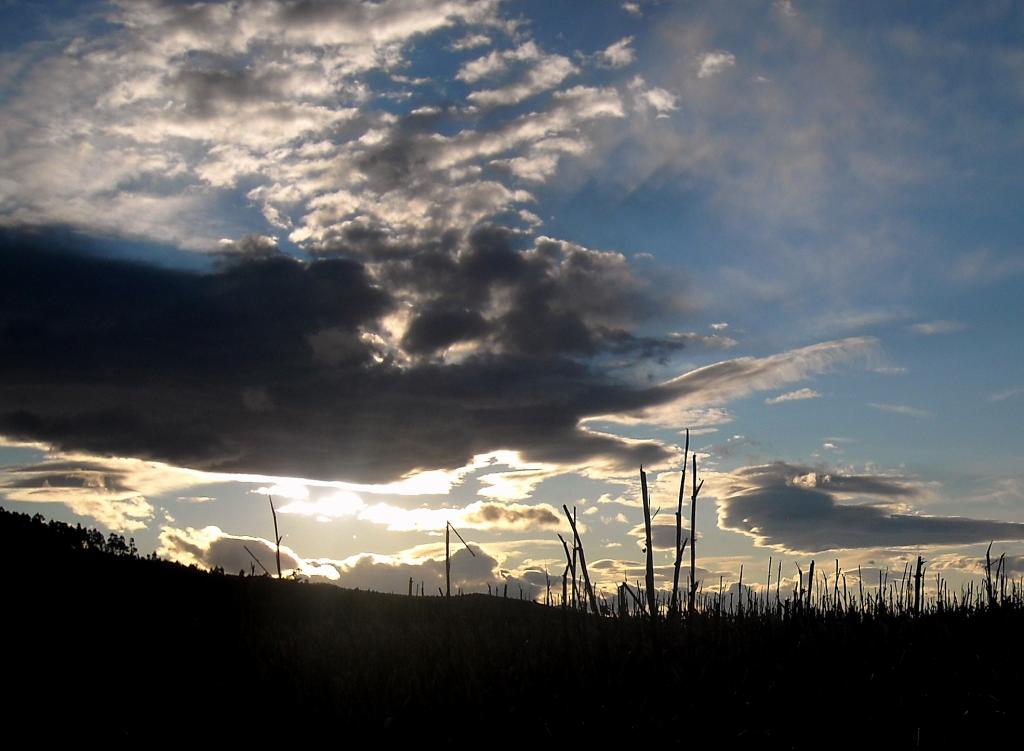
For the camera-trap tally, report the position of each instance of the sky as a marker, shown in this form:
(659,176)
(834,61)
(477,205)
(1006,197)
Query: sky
(404,263)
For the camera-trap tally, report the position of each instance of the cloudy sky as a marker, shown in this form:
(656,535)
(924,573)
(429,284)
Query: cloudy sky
(398,263)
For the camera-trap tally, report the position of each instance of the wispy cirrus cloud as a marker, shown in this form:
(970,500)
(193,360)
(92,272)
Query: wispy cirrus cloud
(793,396)
(1002,396)
(986,265)
(931,328)
(734,379)
(901,409)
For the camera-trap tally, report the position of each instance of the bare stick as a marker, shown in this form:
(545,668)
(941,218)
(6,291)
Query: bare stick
(652,603)
(448,558)
(988,575)
(739,590)
(277,537)
(258,562)
(917,586)
(674,605)
(575,576)
(810,585)
(778,580)
(565,584)
(570,566)
(835,586)
(583,561)
(693,537)
(635,598)
(463,541)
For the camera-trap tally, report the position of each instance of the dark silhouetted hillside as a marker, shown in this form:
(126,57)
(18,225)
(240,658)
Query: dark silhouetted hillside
(100,644)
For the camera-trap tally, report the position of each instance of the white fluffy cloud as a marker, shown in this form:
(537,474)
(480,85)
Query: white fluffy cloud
(653,97)
(713,63)
(618,54)
(212,547)
(140,131)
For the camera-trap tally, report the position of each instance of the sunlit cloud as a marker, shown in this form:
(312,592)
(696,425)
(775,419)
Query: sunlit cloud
(471,41)
(336,505)
(541,72)
(479,515)
(113,491)
(662,101)
(211,547)
(618,54)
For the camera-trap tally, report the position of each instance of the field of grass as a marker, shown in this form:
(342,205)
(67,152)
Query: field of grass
(99,643)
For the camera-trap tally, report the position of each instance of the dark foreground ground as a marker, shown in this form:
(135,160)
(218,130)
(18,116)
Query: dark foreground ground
(128,651)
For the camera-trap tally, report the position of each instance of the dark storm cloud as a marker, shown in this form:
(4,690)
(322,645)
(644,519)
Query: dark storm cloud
(792,508)
(66,474)
(273,366)
(549,300)
(1014,564)
(663,533)
(259,366)
(405,155)
(229,553)
(249,246)
(496,515)
(438,326)
(611,570)
(835,483)
(205,93)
